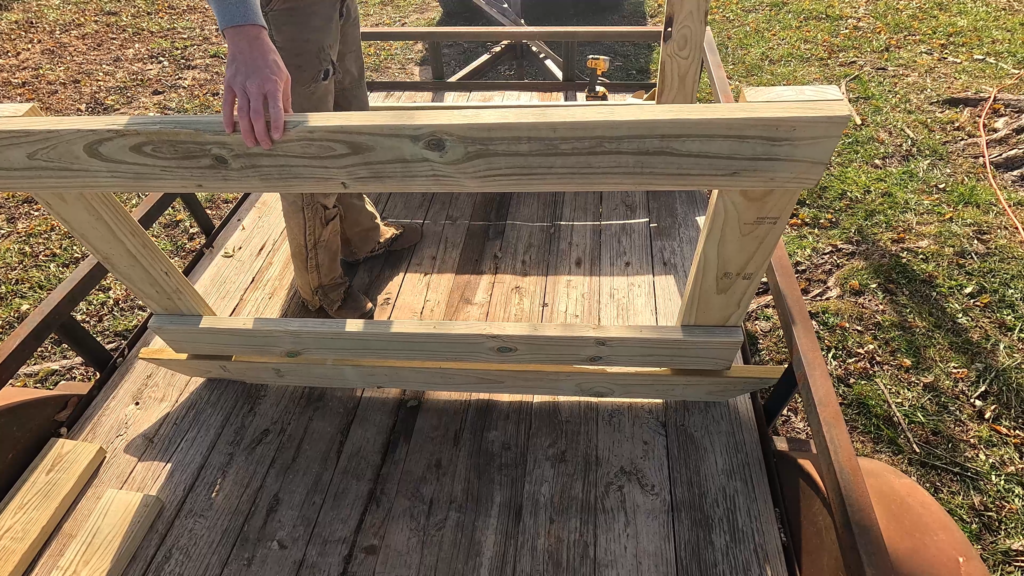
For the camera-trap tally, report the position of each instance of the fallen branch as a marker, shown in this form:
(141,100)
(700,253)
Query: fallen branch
(899,418)
(985,157)
(842,90)
(58,365)
(38,368)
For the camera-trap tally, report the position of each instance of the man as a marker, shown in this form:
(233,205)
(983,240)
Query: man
(306,56)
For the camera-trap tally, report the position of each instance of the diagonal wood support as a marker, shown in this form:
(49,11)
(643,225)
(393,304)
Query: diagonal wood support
(110,233)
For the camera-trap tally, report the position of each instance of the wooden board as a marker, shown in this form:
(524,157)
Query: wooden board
(466,377)
(682,42)
(34,506)
(738,237)
(20,109)
(108,230)
(771,145)
(791,93)
(488,342)
(110,538)
(736,242)
(717,470)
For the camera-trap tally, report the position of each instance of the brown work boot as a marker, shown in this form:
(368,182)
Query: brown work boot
(355,306)
(409,235)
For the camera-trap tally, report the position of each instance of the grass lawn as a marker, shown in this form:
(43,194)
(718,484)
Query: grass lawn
(912,271)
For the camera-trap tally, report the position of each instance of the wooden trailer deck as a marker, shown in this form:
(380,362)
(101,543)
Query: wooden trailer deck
(280,480)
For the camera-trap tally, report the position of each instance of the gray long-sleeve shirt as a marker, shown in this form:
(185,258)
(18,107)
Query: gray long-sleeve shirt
(237,12)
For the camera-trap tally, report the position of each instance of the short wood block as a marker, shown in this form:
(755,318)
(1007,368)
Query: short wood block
(32,509)
(112,534)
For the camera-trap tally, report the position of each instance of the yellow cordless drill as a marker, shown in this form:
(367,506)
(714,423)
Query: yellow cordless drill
(597,65)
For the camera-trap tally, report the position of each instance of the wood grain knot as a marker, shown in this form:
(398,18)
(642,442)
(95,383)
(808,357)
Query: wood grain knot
(435,144)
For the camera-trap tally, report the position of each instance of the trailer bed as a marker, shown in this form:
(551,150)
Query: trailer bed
(280,480)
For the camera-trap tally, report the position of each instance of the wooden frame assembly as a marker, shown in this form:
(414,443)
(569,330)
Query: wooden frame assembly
(766,151)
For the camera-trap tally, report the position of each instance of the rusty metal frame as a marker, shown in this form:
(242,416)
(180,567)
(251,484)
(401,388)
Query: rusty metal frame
(857,531)
(520,35)
(53,315)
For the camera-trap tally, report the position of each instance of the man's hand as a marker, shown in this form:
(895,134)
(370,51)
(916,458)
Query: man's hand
(257,79)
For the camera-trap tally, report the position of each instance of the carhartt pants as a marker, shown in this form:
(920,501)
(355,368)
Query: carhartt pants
(319,43)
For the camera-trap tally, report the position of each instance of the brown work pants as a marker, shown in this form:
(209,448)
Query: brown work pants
(319,43)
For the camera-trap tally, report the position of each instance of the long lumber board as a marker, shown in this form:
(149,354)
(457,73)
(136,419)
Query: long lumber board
(32,509)
(689,347)
(755,145)
(114,531)
(653,383)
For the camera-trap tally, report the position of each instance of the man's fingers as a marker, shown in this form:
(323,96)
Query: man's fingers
(275,106)
(287,100)
(244,121)
(258,114)
(227,106)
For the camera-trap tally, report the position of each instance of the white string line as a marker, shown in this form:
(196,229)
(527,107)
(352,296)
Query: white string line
(560,223)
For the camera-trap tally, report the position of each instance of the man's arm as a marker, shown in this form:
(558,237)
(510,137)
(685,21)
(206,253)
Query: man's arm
(256,78)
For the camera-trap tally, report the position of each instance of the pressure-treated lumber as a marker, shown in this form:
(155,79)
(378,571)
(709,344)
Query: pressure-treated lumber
(108,230)
(682,44)
(19,109)
(474,377)
(114,531)
(499,342)
(737,240)
(813,93)
(32,509)
(773,145)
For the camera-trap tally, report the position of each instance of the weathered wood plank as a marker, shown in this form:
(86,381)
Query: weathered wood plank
(764,145)
(409,301)
(110,538)
(682,41)
(400,527)
(146,414)
(34,506)
(719,489)
(556,534)
(500,342)
(675,230)
(277,528)
(726,495)
(110,233)
(381,432)
(572,291)
(633,520)
(201,531)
